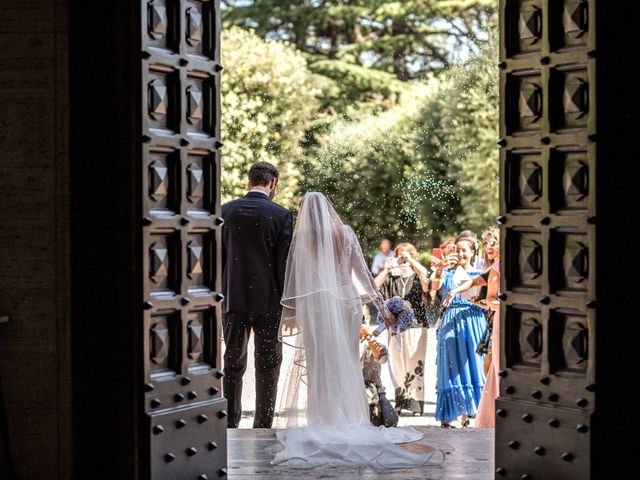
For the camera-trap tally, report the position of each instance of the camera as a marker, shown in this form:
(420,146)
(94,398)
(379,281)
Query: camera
(392,262)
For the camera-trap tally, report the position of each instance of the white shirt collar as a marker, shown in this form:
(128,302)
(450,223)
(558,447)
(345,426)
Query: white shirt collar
(258,191)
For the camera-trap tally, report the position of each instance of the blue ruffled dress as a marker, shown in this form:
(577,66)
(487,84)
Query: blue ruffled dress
(460,370)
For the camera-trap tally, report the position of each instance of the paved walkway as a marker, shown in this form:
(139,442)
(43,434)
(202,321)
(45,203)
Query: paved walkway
(406,419)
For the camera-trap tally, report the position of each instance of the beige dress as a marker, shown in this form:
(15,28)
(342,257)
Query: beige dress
(407,368)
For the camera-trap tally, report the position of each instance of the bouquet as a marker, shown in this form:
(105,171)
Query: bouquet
(403,312)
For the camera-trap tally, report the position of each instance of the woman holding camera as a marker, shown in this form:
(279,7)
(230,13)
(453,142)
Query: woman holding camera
(460,373)
(403,276)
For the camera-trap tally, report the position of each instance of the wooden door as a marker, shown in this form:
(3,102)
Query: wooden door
(184,410)
(548,208)
(145,209)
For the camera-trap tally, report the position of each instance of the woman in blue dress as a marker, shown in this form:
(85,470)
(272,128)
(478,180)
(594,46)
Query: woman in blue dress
(460,370)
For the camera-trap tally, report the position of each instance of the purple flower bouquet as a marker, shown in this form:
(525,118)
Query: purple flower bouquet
(403,312)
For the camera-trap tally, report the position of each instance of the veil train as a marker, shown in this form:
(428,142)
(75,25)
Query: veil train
(324,400)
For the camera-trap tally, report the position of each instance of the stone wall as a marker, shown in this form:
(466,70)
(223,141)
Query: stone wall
(34,272)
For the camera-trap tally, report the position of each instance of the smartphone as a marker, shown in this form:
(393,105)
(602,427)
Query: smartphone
(453,248)
(436,253)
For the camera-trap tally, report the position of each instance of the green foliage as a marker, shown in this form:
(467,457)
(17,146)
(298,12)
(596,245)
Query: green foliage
(268,104)
(467,133)
(375,173)
(425,168)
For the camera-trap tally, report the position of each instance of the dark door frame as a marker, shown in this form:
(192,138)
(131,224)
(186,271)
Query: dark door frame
(104,57)
(106,239)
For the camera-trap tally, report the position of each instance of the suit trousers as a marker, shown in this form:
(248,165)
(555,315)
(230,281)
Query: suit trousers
(268,356)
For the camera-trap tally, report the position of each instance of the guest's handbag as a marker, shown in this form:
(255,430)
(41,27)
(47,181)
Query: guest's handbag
(484,346)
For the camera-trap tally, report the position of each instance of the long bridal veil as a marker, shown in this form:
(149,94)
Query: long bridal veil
(324,399)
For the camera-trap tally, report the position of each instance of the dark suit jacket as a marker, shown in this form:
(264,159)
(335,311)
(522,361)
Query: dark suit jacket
(255,244)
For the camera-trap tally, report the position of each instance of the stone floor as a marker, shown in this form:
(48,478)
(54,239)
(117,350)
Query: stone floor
(469,451)
(468,455)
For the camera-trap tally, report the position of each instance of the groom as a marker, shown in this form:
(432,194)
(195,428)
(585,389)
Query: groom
(255,243)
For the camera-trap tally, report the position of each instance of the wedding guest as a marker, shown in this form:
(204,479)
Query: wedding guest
(491,254)
(486,416)
(447,247)
(434,300)
(491,279)
(383,254)
(480,300)
(459,370)
(479,261)
(448,244)
(405,277)
(372,355)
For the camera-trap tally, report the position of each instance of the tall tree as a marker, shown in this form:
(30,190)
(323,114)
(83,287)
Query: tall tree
(268,104)
(407,38)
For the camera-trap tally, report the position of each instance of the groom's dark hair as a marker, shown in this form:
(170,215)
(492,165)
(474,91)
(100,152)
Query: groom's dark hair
(261,173)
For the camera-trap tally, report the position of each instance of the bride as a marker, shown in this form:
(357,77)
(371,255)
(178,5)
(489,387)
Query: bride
(326,283)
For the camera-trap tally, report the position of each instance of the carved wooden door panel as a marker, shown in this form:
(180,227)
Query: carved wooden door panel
(547,204)
(184,410)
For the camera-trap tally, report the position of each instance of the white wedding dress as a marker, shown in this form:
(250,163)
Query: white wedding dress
(324,397)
